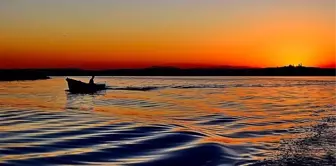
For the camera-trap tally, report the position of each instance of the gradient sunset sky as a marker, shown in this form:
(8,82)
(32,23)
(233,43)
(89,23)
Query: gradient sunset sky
(185,33)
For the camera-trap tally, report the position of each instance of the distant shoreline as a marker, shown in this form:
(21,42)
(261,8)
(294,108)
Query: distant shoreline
(38,74)
(22,75)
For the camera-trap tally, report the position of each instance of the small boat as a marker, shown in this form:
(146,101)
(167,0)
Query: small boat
(76,86)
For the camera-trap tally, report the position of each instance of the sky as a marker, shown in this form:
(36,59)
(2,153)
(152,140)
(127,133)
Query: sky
(103,34)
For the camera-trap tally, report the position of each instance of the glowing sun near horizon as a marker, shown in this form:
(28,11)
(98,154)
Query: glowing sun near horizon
(308,51)
(294,54)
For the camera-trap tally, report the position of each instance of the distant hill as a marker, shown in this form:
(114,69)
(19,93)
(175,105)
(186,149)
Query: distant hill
(33,74)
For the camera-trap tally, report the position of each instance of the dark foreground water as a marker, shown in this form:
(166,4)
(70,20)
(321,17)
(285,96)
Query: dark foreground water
(167,121)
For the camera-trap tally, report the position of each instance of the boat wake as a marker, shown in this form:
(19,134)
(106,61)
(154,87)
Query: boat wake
(221,86)
(145,88)
(317,146)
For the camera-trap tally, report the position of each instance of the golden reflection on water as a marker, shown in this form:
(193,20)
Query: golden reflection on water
(222,115)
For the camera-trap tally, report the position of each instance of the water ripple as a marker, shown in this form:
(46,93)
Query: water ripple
(158,121)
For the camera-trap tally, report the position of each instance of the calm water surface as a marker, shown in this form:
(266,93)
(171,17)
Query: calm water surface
(158,120)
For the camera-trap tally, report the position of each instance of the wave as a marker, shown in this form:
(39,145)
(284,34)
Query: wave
(90,142)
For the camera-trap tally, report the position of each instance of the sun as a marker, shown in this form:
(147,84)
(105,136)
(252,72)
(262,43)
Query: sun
(294,55)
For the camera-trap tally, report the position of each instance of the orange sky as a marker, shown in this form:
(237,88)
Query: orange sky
(125,34)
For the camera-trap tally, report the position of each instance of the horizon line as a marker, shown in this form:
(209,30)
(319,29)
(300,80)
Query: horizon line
(175,67)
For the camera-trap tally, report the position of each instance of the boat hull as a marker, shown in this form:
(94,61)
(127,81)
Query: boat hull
(76,86)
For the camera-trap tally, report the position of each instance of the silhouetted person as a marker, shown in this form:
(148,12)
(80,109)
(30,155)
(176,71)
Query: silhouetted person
(91,80)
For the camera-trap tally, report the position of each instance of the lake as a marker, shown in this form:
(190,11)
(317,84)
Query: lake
(158,120)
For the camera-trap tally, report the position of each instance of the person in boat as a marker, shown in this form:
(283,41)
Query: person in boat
(91,80)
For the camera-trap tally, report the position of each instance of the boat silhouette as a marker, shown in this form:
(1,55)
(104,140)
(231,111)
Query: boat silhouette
(76,86)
